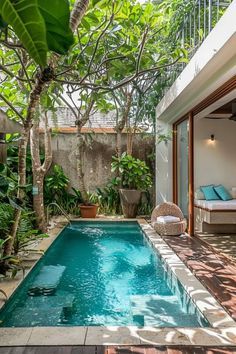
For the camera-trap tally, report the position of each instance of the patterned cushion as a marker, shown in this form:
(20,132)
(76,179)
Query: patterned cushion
(223,192)
(209,192)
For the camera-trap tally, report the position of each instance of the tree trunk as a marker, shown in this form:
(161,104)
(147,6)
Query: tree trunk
(3,148)
(79,159)
(122,123)
(39,171)
(77,13)
(80,122)
(22,150)
(38,200)
(129,143)
(119,143)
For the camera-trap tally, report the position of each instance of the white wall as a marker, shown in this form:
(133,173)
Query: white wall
(215,162)
(163,166)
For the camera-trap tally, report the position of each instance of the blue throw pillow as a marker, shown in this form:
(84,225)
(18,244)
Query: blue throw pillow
(209,192)
(223,192)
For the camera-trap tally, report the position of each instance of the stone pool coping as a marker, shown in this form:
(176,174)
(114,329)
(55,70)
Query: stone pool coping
(223,331)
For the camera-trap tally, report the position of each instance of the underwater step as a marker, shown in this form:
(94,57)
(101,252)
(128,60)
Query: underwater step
(64,300)
(37,316)
(159,310)
(47,280)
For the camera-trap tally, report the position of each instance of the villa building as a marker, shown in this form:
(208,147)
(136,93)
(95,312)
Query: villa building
(200,111)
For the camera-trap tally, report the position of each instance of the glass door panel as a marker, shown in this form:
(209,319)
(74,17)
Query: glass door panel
(183,166)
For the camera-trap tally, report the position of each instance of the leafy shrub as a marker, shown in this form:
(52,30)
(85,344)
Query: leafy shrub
(27,235)
(6,217)
(56,191)
(109,198)
(133,173)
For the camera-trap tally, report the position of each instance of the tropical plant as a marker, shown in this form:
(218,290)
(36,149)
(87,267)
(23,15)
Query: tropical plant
(40,25)
(133,173)
(31,29)
(10,263)
(6,217)
(56,185)
(27,235)
(108,198)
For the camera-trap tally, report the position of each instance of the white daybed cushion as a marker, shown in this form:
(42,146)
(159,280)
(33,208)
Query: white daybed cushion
(166,219)
(233,192)
(217,204)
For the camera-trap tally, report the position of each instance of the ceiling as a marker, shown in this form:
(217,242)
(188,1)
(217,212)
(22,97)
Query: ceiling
(224,111)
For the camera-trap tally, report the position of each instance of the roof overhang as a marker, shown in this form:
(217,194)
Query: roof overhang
(213,64)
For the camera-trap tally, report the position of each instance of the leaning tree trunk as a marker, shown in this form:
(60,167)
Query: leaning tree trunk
(22,150)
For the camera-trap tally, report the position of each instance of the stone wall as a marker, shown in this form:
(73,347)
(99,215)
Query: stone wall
(97,157)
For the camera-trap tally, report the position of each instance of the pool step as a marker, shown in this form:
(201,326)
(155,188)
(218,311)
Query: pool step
(45,310)
(156,310)
(63,300)
(36,316)
(46,282)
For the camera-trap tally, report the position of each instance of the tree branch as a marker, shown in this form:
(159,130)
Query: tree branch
(143,41)
(12,107)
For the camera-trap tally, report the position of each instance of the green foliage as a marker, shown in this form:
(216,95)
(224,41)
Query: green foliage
(133,173)
(56,16)
(56,190)
(40,25)
(26,234)
(10,264)
(6,217)
(8,187)
(26,20)
(56,184)
(109,198)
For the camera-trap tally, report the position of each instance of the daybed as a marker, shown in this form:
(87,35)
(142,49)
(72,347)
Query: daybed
(217,216)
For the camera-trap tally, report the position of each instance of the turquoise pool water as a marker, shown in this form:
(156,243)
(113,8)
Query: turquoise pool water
(99,274)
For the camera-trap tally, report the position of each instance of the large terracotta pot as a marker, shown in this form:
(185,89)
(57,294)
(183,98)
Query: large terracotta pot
(130,199)
(88,211)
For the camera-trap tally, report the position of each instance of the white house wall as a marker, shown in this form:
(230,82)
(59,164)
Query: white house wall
(163,166)
(215,163)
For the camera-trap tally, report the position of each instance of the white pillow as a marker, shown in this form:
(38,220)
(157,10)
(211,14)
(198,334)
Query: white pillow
(199,194)
(233,192)
(166,219)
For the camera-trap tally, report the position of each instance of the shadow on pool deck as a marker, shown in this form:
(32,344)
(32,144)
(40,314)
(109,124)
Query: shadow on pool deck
(215,271)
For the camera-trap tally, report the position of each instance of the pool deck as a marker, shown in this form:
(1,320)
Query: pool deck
(215,271)
(118,350)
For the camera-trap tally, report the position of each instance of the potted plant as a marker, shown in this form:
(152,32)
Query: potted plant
(134,177)
(88,208)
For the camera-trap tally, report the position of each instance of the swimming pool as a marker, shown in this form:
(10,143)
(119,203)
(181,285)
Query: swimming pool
(100,274)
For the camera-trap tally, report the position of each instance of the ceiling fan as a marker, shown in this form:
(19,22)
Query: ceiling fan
(224,115)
